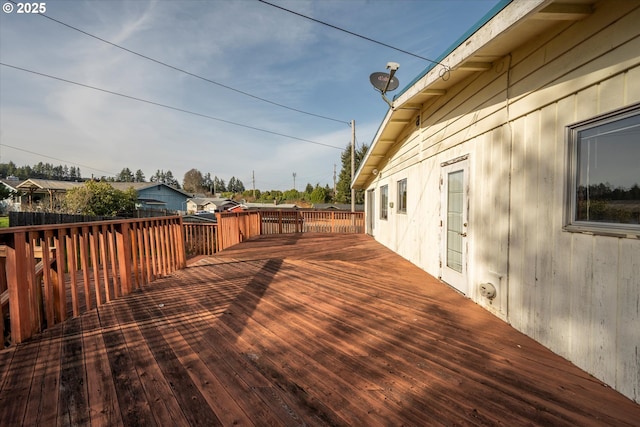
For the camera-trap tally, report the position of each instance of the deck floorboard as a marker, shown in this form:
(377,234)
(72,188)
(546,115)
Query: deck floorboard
(306,329)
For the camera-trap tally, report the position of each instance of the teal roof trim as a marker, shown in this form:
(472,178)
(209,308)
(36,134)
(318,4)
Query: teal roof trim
(486,18)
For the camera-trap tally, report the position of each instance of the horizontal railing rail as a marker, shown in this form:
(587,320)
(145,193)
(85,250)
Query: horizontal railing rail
(51,272)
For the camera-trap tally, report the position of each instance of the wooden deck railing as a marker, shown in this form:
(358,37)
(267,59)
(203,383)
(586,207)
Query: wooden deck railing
(50,272)
(235,227)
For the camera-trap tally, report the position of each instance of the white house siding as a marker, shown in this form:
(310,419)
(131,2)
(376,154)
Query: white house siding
(578,294)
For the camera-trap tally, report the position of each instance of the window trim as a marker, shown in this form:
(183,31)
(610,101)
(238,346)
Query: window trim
(402,207)
(384,209)
(571,139)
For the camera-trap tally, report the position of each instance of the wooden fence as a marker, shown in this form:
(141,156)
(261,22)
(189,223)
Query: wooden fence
(52,271)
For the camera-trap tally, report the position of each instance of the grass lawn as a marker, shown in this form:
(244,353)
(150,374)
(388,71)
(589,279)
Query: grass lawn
(4,221)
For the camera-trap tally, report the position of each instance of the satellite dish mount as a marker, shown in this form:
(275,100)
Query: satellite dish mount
(384,82)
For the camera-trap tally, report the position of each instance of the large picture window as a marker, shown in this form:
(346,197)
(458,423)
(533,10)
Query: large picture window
(402,196)
(384,201)
(604,188)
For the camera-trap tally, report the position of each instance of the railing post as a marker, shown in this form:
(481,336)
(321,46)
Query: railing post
(19,304)
(180,243)
(123,240)
(95,262)
(59,292)
(49,278)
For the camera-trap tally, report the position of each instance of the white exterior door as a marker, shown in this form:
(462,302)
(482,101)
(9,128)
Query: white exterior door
(454,223)
(371,211)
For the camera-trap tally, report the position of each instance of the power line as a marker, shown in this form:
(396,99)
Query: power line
(351,33)
(55,158)
(168,106)
(190,73)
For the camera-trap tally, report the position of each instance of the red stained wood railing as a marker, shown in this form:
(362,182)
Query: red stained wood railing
(50,272)
(235,227)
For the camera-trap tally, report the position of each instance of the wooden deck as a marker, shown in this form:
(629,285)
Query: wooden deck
(303,329)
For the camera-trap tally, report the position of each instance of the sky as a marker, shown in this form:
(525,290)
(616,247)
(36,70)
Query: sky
(190,112)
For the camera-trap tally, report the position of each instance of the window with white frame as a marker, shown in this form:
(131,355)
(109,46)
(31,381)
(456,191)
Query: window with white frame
(402,196)
(604,183)
(384,201)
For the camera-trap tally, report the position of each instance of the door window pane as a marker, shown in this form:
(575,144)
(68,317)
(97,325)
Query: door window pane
(384,201)
(402,196)
(455,188)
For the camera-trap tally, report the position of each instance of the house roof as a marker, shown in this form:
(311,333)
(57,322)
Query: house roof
(507,26)
(139,186)
(54,185)
(12,183)
(48,184)
(217,201)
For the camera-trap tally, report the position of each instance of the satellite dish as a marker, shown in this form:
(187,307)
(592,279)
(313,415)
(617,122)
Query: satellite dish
(381,82)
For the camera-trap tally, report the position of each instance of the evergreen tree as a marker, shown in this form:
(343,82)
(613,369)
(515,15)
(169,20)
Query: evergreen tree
(343,187)
(139,176)
(125,175)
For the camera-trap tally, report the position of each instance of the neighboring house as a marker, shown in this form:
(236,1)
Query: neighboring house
(156,195)
(209,204)
(511,172)
(151,195)
(14,202)
(45,193)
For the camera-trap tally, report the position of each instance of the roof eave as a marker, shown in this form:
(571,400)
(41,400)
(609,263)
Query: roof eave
(473,54)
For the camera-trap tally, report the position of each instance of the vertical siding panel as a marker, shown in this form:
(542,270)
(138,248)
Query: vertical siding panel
(479,216)
(560,293)
(529,207)
(610,92)
(517,307)
(501,166)
(605,284)
(628,325)
(581,297)
(632,86)
(546,225)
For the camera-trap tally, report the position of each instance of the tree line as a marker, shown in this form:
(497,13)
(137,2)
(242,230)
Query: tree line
(196,182)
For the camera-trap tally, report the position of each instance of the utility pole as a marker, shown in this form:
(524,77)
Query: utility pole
(253,181)
(353,164)
(294,180)
(334,182)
